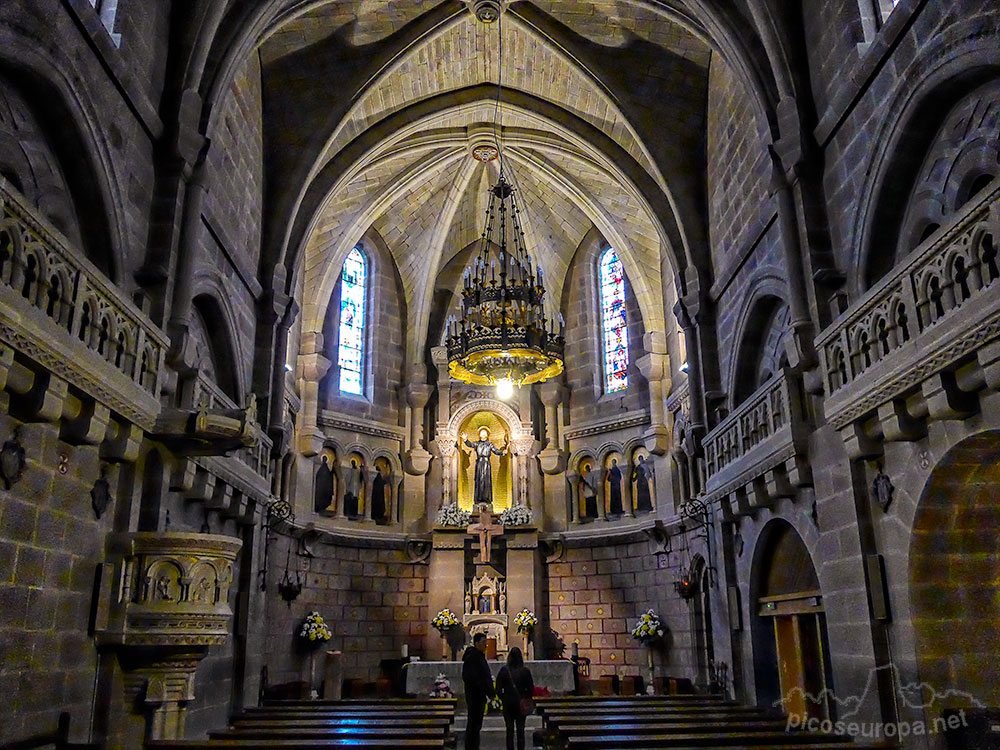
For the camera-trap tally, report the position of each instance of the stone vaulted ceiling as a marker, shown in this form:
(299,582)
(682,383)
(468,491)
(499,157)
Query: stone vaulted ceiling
(393,154)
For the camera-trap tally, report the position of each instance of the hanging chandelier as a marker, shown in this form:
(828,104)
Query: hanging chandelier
(502,335)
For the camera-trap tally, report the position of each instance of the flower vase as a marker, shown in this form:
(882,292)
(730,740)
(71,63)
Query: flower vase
(527,646)
(445,649)
(649,662)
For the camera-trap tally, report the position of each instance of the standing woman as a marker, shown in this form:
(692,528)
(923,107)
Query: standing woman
(515,688)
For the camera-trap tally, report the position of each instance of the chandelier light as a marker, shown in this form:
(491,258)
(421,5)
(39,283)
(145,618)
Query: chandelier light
(502,335)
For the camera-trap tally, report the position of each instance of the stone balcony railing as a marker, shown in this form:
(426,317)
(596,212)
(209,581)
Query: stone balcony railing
(764,437)
(208,395)
(41,270)
(937,306)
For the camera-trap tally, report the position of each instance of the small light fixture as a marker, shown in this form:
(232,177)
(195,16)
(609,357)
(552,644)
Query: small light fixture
(505,388)
(12,461)
(288,367)
(683,367)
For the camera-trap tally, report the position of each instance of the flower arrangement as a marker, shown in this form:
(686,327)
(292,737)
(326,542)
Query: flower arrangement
(442,688)
(314,629)
(494,705)
(649,627)
(526,621)
(517,515)
(452,515)
(444,621)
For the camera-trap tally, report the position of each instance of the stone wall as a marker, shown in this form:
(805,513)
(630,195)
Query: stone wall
(51,546)
(385,329)
(581,308)
(596,595)
(374,601)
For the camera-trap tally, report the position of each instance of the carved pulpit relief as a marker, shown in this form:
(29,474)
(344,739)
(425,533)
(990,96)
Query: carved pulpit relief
(486,530)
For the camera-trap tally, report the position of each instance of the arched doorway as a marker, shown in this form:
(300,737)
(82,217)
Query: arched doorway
(955,576)
(791,650)
(701,623)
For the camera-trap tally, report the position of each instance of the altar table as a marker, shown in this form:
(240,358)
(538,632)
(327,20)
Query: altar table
(556,675)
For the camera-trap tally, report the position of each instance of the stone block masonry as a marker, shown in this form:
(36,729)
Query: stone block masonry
(596,594)
(373,600)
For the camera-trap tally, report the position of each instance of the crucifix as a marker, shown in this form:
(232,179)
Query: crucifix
(486,530)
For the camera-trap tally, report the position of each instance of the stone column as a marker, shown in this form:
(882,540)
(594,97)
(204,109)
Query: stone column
(418,459)
(449,454)
(655,367)
(523,579)
(369,477)
(574,506)
(599,476)
(552,459)
(313,366)
(439,356)
(445,582)
(340,470)
(800,353)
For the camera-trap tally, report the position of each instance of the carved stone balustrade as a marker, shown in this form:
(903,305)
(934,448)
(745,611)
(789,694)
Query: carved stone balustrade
(169,601)
(60,310)
(758,453)
(909,332)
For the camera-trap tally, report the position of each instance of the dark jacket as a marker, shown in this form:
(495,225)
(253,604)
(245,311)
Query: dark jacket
(477,676)
(513,686)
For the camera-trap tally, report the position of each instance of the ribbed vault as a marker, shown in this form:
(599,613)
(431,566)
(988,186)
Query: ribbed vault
(397,159)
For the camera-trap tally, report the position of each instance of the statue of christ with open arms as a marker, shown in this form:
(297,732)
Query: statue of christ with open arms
(484,450)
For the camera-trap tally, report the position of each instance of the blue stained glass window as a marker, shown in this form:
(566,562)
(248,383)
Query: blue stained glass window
(614,325)
(351,352)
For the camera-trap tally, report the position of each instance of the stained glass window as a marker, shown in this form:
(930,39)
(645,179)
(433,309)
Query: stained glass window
(352,321)
(614,326)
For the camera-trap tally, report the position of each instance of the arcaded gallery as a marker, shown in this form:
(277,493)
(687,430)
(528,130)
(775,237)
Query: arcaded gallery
(560,374)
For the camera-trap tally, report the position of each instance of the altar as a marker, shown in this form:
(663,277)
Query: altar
(555,674)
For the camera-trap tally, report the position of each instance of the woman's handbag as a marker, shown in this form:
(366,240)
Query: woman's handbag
(527,706)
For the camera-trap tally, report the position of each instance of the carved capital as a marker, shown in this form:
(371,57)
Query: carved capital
(314,366)
(552,461)
(657,440)
(550,392)
(417,461)
(418,394)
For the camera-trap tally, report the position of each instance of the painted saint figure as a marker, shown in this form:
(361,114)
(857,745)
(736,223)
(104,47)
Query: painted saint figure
(380,506)
(323,490)
(352,490)
(484,450)
(615,507)
(589,493)
(640,475)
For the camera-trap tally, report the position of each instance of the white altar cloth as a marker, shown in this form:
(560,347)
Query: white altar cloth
(556,675)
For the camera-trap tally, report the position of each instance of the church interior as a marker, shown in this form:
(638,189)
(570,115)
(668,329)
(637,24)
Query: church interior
(335,332)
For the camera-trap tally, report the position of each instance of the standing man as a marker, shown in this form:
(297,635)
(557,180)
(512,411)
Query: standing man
(478,687)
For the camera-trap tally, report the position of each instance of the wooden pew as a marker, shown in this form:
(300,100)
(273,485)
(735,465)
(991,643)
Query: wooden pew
(383,743)
(727,739)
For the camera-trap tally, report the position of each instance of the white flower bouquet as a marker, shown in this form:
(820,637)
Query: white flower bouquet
(314,629)
(444,621)
(452,515)
(525,621)
(649,628)
(442,687)
(517,515)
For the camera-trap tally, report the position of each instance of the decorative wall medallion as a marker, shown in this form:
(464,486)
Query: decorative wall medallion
(63,463)
(100,496)
(925,459)
(883,489)
(485,153)
(12,461)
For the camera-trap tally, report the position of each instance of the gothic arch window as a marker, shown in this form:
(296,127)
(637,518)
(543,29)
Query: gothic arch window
(107,10)
(353,308)
(614,325)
